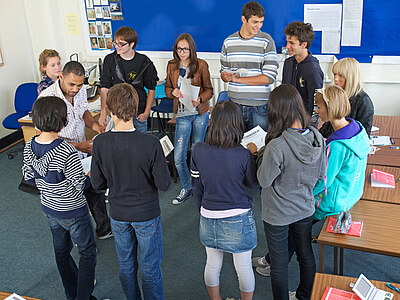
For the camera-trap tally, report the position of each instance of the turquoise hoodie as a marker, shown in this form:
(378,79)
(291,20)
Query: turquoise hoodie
(345,175)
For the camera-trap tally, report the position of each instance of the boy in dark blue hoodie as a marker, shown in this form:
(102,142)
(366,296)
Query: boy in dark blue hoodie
(302,70)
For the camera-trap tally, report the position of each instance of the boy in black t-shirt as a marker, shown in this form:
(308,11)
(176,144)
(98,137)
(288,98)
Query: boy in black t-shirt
(132,165)
(127,65)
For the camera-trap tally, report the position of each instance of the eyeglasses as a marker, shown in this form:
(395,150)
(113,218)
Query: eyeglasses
(184,50)
(119,45)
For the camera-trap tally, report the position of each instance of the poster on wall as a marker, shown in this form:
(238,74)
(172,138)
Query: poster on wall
(99,15)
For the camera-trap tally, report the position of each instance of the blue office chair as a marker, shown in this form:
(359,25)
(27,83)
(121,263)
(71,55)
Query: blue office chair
(223,96)
(25,95)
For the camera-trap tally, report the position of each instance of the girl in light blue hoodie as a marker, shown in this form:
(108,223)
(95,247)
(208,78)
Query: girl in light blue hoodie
(347,150)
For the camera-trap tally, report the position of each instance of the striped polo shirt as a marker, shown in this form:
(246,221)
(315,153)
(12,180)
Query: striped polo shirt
(250,57)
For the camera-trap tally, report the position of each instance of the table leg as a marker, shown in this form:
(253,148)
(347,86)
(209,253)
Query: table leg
(335,260)
(321,258)
(341,261)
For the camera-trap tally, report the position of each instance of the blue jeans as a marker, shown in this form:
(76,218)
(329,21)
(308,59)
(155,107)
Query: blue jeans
(254,115)
(195,126)
(277,239)
(145,238)
(139,125)
(78,282)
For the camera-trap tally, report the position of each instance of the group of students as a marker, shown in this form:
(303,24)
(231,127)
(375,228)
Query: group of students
(303,177)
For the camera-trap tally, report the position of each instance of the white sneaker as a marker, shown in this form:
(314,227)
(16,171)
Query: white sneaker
(292,295)
(264,271)
(259,262)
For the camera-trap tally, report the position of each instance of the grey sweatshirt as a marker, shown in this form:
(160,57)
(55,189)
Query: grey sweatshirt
(291,165)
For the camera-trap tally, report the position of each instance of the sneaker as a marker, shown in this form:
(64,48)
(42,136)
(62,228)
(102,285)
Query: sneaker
(264,271)
(106,236)
(183,195)
(292,295)
(259,262)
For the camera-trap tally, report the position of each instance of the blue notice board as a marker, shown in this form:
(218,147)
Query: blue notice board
(158,24)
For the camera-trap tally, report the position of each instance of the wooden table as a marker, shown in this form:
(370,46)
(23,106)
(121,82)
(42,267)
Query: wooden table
(322,281)
(388,195)
(388,125)
(380,226)
(4,295)
(386,156)
(29,130)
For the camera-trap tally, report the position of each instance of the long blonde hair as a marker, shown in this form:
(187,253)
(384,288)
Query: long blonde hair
(350,70)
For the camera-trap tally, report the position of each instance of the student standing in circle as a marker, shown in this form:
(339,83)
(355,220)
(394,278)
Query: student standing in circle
(221,169)
(292,163)
(347,75)
(191,120)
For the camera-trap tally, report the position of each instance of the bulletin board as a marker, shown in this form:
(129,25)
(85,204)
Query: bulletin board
(158,23)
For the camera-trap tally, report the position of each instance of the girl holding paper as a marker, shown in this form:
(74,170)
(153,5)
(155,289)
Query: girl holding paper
(191,118)
(347,150)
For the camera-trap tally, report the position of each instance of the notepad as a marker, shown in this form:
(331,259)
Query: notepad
(382,179)
(336,294)
(377,140)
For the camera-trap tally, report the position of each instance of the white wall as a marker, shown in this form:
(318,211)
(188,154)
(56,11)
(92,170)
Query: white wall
(27,27)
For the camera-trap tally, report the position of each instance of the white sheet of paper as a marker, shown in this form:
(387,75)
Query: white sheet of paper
(256,136)
(330,42)
(323,17)
(86,163)
(380,140)
(189,92)
(374,128)
(166,145)
(352,22)
(376,183)
(15,297)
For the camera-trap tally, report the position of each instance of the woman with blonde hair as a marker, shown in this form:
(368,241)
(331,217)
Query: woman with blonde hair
(347,149)
(49,67)
(347,75)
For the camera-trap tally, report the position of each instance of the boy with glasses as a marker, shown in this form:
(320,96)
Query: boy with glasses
(127,65)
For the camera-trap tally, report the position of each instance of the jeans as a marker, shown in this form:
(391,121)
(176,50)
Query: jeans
(78,282)
(184,127)
(139,125)
(97,204)
(143,241)
(277,239)
(254,115)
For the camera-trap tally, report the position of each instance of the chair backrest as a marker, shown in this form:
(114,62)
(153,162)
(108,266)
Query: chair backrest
(223,96)
(25,95)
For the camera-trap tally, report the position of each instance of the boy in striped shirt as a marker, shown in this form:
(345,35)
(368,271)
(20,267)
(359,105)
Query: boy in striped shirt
(249,64)
(56,168)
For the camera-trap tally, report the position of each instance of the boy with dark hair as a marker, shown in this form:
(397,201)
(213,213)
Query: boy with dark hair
(250,65)
(127,65)
(55,167)
(302,69)
(132,165)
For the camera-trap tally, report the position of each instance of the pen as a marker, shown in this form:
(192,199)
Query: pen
(392,141)
(392,287)
(394,147)
(398,180)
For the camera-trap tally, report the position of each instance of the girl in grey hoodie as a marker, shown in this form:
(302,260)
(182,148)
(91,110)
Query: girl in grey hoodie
(292,163)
